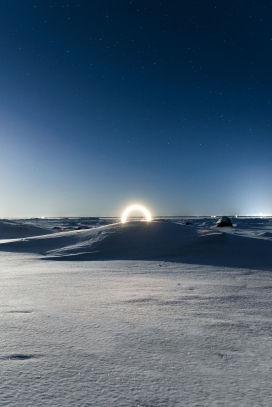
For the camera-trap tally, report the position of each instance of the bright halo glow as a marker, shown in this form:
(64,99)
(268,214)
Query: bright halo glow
(136,208)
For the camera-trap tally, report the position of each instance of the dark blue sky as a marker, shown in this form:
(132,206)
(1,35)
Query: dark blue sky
(110,102)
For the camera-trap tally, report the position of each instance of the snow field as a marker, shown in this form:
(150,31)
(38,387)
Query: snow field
(159,332)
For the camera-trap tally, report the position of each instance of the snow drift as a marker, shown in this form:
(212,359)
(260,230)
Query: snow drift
(11,230)
(150,240)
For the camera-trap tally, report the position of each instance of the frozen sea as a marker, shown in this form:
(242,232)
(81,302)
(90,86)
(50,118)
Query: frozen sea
(160,314)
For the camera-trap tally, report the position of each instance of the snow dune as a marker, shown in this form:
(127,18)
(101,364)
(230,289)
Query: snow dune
(12,230)
(139,240)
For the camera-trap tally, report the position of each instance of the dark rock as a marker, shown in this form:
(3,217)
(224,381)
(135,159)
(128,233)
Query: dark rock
(224,221)
(188,223)
(82,227)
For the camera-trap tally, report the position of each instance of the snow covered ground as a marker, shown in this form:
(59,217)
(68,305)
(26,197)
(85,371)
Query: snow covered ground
(96,313)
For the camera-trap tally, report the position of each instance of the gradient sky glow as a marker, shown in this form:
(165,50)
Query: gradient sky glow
(107,103)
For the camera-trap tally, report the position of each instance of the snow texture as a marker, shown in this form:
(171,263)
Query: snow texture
(142,314)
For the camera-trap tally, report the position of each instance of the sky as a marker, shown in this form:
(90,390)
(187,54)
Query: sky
(107,103)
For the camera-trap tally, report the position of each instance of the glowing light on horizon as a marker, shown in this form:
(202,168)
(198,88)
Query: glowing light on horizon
(136,208)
